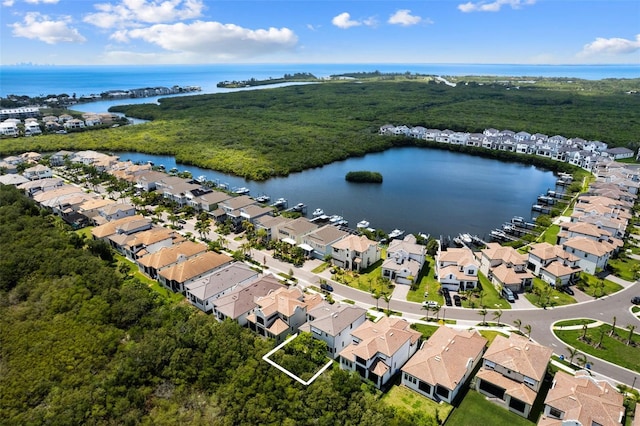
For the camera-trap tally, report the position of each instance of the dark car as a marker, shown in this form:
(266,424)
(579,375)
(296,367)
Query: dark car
(182,221)
(636,300)
(326,287)
(457,301)
(447,301)
(567,290)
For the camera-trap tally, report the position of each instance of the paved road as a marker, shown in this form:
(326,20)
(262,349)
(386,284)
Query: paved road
(541,321)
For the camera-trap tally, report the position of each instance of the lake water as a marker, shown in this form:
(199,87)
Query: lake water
(424,190)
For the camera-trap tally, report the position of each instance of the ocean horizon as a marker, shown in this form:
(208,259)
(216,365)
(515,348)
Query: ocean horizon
(42,80)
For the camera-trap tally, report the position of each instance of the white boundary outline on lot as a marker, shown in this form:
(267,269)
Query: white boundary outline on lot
(289,373)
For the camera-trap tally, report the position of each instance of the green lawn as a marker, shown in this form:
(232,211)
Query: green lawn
(427,284)
(404,399)
(597,287)
(490,335)
(489,298)
(581,321)
(612,350)
(153,284)
(426,330)
(623,267)
(476,410)
(550,235)
(552,298)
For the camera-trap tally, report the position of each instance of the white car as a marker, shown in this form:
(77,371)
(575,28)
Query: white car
(430,304)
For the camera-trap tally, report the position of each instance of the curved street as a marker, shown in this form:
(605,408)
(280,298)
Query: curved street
(540,320)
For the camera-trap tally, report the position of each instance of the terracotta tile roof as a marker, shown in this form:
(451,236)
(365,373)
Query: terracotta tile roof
(354,243)
(151,236)
(546,251)
(584,399)
(325,235)
(444,358)
(386,337)
(587,245)
(278,327)
(558,269)
(509,275)
(111,228)
(242,300)
(282,300)
(168,255)
(195,266)
(511,387)
(584,228)
(456,272)
(517,353)
(459,256)
(495,251)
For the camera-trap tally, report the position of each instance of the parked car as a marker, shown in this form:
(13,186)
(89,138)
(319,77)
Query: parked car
(326,287)
(567,290)
(457,301)
(182,221)
(430,304)
(636,300)
(447,301)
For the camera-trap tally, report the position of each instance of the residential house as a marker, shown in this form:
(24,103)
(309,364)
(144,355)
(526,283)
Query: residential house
(457,269)
(147,181)
(512,372)
(240,303)
(116,211)
(91,209)
(8,168)
(151,263)
(293,231)
(281,312)
(378,350)
(38,172)
(254,212)
(582,400)
(444,363)
(593,255)
(32,128)
(619,153)
(59,158)
(233,208)
(210,201)
(271,225)
(553,264)
(333,323)
(12,179)
(506,267)
(570,230)
(355,252)
(144,242)
(204,291)
(404,261)
(48,184)
(126,225)
(321,240)
(177,276)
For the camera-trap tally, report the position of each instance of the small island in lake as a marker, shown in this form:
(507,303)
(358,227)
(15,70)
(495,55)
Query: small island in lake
(364,176)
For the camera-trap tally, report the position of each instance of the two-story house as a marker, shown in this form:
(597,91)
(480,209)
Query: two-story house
(175,277)
(281,312)
(593,255)
(404,261)
(333,323)
(355,252)
(202,292)
(444,363)
(512,372)
(240,303)
(553,264)
(379,350)
(506,267)
(322,239)
(151,263)
(582,400)
(457,269)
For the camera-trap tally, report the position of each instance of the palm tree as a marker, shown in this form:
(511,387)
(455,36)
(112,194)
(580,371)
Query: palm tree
(572,353)
(613,327)
(436,310)
(599,344)
(584,332)
(376,295)
(630,328)
(245,249)
(496,315)
(387,298)
(527,329)
(222,242)
(484,313)
(583,361)
(517,323)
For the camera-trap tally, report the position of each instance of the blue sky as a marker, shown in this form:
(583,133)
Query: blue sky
(74,32)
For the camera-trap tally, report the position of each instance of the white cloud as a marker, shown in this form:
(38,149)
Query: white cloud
(131,13)
(344,21)
(405,18)
(213,39)
(42,1)
(611,46)
(8,3)
(41,27)
(495,6)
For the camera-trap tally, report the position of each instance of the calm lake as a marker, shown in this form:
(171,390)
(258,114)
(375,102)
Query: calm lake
(424,190)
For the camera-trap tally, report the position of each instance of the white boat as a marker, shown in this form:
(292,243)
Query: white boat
(466,238)
(280,202)
(202,179)
(335,218)
(243,190)
(263,198)
(396,233)
(318,212)
(363,224)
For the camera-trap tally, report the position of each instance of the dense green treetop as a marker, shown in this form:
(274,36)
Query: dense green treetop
(272,132)
(80,343)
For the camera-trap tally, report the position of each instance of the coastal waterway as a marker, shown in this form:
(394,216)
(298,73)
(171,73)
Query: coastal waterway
(424,190)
